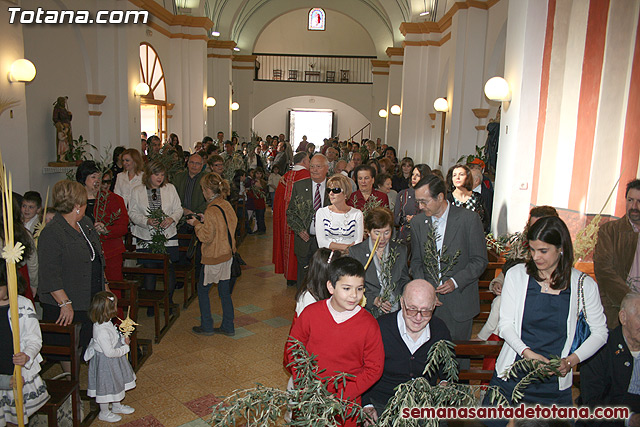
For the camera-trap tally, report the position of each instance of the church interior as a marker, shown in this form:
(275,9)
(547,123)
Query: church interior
(566,133)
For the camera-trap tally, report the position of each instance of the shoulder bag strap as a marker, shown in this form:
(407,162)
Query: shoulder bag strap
(227,224)
(581,295)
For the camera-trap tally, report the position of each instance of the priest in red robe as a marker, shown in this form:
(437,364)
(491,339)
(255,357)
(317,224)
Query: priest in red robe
(283,257)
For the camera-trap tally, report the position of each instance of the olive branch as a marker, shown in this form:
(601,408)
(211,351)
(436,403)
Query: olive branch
(437,263)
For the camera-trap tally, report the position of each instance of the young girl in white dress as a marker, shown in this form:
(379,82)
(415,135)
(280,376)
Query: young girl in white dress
(110,373)
(34,390)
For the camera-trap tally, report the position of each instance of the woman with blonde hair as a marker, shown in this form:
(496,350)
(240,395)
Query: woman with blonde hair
(71,263)
(131,176)
(339,226)
(153,199)
(216,230)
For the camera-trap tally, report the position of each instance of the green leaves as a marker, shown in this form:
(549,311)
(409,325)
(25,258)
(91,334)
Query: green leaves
(158,240)
(437,263)
(300,214)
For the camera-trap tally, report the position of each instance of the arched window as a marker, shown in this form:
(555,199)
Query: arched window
(316,19)
(151,72)
(153,106)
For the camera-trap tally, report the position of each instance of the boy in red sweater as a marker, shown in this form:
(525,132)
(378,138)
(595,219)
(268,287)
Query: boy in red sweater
(343,336)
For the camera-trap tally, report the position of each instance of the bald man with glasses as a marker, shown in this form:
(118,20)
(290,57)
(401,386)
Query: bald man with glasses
(407,335)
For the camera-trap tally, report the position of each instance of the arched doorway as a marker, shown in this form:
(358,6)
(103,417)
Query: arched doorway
(153,106)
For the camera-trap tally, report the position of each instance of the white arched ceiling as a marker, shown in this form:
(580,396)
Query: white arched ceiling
(344,36)
(243,20)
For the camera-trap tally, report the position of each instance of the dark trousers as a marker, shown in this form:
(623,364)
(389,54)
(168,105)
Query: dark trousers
(260,220)
(224,292)
(150,279)
(305,259)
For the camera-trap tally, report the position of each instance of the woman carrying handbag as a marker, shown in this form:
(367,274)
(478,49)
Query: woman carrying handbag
(216,230)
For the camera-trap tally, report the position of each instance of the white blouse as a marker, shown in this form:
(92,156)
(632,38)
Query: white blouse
(124,186)
(346,228)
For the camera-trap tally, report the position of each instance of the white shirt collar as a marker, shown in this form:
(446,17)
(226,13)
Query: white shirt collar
(298,167)
(412,345)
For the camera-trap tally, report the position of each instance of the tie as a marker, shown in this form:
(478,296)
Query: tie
(317,203)
(634,384)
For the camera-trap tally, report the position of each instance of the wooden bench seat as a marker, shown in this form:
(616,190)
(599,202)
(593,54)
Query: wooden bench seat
(61,390)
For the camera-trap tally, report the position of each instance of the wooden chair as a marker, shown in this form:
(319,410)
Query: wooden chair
(141,349)
(330,76)
(293,74)
(344,76)
(187,272)
(154,298)
(277,74)
(60,390)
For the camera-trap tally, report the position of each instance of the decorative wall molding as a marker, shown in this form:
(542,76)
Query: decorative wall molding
(95,99)
(95,113)
(440,42)
(215,55)
(395,51)
(445,22)
(379,64)
(169,18)
(245,58)
(381,73)
(480,113)
(221,44)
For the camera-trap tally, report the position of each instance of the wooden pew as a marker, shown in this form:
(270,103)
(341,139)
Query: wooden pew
(141,349)
(477,351)
(187,272)
(60,390)
(154,298)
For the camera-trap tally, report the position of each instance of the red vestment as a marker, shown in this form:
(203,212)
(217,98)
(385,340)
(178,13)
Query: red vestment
(283,257)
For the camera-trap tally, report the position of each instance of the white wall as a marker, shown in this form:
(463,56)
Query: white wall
(288,34)
(273,119)
(13,139)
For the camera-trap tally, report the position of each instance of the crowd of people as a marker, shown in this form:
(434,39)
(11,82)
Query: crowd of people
(386,256)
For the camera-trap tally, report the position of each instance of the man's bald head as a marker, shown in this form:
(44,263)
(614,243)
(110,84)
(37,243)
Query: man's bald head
(630,320)
(418,302)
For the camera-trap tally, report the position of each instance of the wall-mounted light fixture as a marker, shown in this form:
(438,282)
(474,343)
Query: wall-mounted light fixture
(236,49)
(210,102)
(22,70)
(142,89)
(215,33)
(441,105)
(497,89)
(395,110)
(235,106)
(383,113)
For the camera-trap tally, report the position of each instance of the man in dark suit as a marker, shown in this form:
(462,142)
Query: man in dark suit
(187,185)
(407,336)
(458,230)
(612,376)
(312,189)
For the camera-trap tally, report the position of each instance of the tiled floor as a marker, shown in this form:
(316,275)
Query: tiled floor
(187,373)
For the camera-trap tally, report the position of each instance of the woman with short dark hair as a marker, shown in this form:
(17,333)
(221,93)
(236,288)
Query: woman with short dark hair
(365,176)
(382,293)
(406,206)
(460,194)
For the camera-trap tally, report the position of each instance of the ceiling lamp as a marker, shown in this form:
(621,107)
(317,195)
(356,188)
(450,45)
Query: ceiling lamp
(441,105)
(235,106)
(383,113)
(210,102)
(22,70)
(142,89)
(497,89)
(395,110)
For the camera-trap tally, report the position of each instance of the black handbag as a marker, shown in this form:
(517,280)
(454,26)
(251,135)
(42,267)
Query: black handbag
(582,327)
(236,269)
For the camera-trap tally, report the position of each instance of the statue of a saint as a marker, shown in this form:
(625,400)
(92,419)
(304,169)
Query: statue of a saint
(62,122)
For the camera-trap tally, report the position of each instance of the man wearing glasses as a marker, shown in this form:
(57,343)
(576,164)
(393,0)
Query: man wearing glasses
(407,336)
(457,229)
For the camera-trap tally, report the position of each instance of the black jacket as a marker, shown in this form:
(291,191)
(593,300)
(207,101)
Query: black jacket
(64,261)
(400,365)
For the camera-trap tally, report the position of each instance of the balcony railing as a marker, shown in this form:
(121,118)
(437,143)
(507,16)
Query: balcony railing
(314,68)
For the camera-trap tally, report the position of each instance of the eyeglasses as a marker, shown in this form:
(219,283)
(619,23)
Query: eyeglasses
(106,181)
(336,190)
(154,194)
(414,312)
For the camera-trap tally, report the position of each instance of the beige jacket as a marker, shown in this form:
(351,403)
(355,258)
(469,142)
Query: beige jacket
(612,260)
(213,232)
